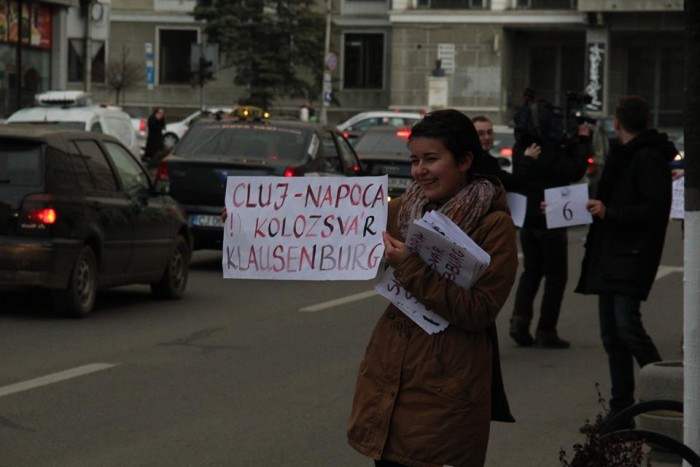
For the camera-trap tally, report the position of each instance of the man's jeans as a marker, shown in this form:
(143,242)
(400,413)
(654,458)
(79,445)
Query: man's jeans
(624,338)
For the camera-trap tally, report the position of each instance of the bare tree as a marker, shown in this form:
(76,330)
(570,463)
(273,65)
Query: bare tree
(122,73)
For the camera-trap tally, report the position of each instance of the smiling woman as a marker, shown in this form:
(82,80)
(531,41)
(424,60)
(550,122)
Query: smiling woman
(425,399)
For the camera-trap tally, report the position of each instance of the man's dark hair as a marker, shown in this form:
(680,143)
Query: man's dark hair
(454,129)
(633,113)
(481,118)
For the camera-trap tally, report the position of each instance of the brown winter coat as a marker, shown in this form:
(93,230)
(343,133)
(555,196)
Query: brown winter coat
(424,400)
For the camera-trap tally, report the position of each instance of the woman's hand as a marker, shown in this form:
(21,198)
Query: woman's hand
(395,250)
(224,214)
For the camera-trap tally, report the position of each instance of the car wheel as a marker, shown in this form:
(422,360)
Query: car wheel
(172,284)
(78,298)
(170,140)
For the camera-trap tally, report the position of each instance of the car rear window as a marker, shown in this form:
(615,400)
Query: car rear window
(248,141)
(20,163)
(383,143)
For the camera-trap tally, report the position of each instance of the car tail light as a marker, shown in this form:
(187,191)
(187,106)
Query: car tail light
(142,126)
(290,172)
(507,152)
(346,135)
(403,134)
(591,166)
(162,173)
(37,213)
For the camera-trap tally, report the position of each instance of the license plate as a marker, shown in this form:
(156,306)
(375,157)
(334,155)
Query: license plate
(203,220)
(399,182)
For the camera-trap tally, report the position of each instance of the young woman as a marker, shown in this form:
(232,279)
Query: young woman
(428,400)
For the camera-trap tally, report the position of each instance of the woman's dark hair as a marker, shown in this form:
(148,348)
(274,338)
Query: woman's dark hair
(454,129)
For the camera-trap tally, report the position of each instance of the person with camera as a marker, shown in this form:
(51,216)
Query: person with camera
(625,242)
(545,156)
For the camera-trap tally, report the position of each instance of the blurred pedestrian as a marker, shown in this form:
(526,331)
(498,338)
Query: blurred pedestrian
(425,399)
(544,162)
(155,143)
(488,164)
(625,242)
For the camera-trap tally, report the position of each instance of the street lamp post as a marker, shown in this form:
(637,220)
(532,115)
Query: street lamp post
(326,88)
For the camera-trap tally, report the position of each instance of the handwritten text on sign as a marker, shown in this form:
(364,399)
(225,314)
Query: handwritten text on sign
(304,228)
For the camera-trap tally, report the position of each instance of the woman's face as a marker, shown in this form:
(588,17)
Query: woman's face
(435,170)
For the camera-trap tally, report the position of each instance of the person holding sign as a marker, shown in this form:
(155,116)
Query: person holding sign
(545,163)
(625,242)
(428,399)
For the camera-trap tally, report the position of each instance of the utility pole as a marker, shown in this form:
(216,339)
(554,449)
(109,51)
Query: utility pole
(88,46)
(691,256)
(327,88)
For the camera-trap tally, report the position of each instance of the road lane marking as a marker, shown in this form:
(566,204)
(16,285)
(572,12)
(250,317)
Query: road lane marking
(340,301)
(54,378)
(664,271)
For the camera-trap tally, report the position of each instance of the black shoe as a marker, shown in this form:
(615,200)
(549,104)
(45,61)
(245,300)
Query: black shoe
(550,340)
(522,337)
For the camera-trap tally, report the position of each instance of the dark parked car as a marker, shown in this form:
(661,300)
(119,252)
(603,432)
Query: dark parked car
(78,212)
(212,149)
(383,150)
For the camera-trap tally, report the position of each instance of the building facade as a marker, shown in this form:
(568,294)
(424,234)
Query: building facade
(474,55)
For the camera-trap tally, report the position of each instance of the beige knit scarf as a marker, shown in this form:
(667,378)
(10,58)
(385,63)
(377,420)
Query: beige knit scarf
(465,208)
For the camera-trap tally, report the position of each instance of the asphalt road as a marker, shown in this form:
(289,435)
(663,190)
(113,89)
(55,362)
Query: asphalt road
(243,373)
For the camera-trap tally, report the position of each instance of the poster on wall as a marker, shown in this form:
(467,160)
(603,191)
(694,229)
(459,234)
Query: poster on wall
(595,79)
(36,24)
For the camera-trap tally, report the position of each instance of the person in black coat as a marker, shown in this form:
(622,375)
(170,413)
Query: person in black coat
(155,143)
(625,242)
(544,164)
(488,164)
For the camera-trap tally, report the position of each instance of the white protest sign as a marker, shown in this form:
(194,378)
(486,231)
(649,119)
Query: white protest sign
(518,206)
(678,201)
(566,206)
(390,288)
(304,228)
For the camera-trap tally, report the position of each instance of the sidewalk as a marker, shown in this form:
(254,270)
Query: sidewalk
(553,391)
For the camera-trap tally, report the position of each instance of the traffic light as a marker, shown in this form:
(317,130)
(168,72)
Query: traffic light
(206,72)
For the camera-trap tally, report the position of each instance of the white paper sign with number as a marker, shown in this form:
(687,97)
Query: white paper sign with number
(304,228)
(566,206)
(518,206)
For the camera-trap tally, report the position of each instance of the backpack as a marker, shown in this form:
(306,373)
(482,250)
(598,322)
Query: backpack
(539,121)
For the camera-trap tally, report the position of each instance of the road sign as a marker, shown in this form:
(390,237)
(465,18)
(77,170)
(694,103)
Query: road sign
(150,70)
(327,96)
(331,61)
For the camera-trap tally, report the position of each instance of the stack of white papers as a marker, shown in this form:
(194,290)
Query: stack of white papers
(449,251)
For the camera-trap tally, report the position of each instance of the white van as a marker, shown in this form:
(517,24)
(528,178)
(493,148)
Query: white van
(74,110)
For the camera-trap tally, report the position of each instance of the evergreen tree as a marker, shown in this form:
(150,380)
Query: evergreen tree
(276,47)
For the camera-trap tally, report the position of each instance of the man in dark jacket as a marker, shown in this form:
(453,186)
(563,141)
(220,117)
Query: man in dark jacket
(544,164)
(488,164)
(625,241)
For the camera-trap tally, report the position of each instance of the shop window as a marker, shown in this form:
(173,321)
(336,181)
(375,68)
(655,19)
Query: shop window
(547,4)
(656,73)
(76,61)
(454,4)
(174,55)
(556,70)
(364,61)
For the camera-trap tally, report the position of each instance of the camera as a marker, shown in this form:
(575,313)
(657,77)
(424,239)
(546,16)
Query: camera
(574,111)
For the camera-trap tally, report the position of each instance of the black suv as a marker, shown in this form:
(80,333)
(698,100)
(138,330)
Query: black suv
(214,148)
(78,212)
